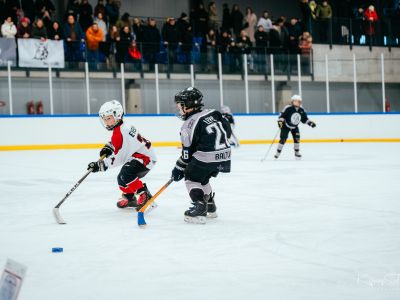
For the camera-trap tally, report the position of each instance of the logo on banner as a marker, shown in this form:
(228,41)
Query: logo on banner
(41,52)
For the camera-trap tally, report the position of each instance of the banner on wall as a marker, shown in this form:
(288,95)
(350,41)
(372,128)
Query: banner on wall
(34,53)
(8,51)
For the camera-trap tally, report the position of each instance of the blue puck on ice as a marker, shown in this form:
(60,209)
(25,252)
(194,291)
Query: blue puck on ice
(57,250)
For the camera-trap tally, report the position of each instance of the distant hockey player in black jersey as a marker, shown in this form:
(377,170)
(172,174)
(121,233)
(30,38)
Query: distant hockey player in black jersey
(227,114)
(205,152)
(288,121)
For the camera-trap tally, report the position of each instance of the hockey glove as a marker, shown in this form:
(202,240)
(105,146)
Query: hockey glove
(107,150)
(280,123)
(312,124)
(179,171)
(97,166)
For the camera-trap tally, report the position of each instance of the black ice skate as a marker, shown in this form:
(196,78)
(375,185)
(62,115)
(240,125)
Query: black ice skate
(197,214)
(211,207)
(297,154)
(126,200)
(278,152)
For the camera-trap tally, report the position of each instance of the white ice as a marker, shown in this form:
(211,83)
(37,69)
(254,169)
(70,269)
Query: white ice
(325,227)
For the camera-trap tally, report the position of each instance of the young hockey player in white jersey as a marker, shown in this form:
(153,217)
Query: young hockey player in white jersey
(205,152)
(129,149)
(288,121)
(227,114)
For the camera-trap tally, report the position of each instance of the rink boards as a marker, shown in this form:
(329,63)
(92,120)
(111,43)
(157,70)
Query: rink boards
(83,131)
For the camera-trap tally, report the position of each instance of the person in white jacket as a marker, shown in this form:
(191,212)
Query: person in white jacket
(8,29)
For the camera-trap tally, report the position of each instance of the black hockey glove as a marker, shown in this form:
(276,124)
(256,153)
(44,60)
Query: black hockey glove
(177,174)
(97,166)
(107,150)
(312,124)
(179,171)
(280,123)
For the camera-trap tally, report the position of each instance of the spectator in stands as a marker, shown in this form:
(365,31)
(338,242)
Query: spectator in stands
(171,38)
(235,56)
(244,44)
(211,39)
(138,30)
(182,23)
(265,22)
(112,11)
(371,17)
(279,40)
(126,39)
(358,24)
(250,23)
(305,45)
(39,31)
(94,35)
(24,29)
(187,43)
(8,29)
(226,17)
(112,39)
(237,20)
(74,37)
(212,16)
(85,15)
(124,21)
(55,32)
(28,7)
(99,20)
(134,56)
(324,15)
(44,7)
(100,8)
(199,21)
(72,8)
(151,42)
(261,37)
(223,46)
(294,30)
(306,12)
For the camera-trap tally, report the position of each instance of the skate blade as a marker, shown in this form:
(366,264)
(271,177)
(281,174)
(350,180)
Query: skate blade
(298,158)
(195,220)
(212,215)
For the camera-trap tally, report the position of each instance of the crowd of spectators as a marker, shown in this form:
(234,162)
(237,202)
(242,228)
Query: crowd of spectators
(103,34)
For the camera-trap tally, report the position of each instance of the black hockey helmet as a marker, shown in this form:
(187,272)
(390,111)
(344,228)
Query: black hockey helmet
(189,98)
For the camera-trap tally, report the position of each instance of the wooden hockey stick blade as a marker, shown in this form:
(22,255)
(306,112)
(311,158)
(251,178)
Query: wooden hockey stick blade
(57,216)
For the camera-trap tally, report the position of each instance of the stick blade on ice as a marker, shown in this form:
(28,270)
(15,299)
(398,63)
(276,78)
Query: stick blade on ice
(141,220)
(57,216)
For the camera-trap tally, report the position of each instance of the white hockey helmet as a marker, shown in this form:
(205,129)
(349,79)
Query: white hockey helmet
(296,97)
(111,108)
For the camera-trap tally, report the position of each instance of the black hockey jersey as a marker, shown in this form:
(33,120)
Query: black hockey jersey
(204,137)
(229,118)
(293,115)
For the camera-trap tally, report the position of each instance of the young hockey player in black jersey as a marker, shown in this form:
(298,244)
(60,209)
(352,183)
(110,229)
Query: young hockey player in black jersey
(205,152)
(227,114)
(288,121)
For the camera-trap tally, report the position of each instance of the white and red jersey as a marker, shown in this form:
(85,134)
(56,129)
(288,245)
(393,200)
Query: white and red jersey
(129,145)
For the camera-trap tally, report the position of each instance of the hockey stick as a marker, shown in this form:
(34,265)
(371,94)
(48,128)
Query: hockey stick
(56,209)
(270,146)
(140,215)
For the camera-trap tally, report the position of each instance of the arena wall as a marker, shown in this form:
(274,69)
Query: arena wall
(79,131)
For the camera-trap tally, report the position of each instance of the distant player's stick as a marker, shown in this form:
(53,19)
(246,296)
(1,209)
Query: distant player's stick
(140,215)
(56,209)
(270,146)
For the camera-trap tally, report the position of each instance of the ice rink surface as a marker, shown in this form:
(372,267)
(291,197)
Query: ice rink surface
(325,227)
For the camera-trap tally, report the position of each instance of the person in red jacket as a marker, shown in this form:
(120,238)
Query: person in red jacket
(371,17)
